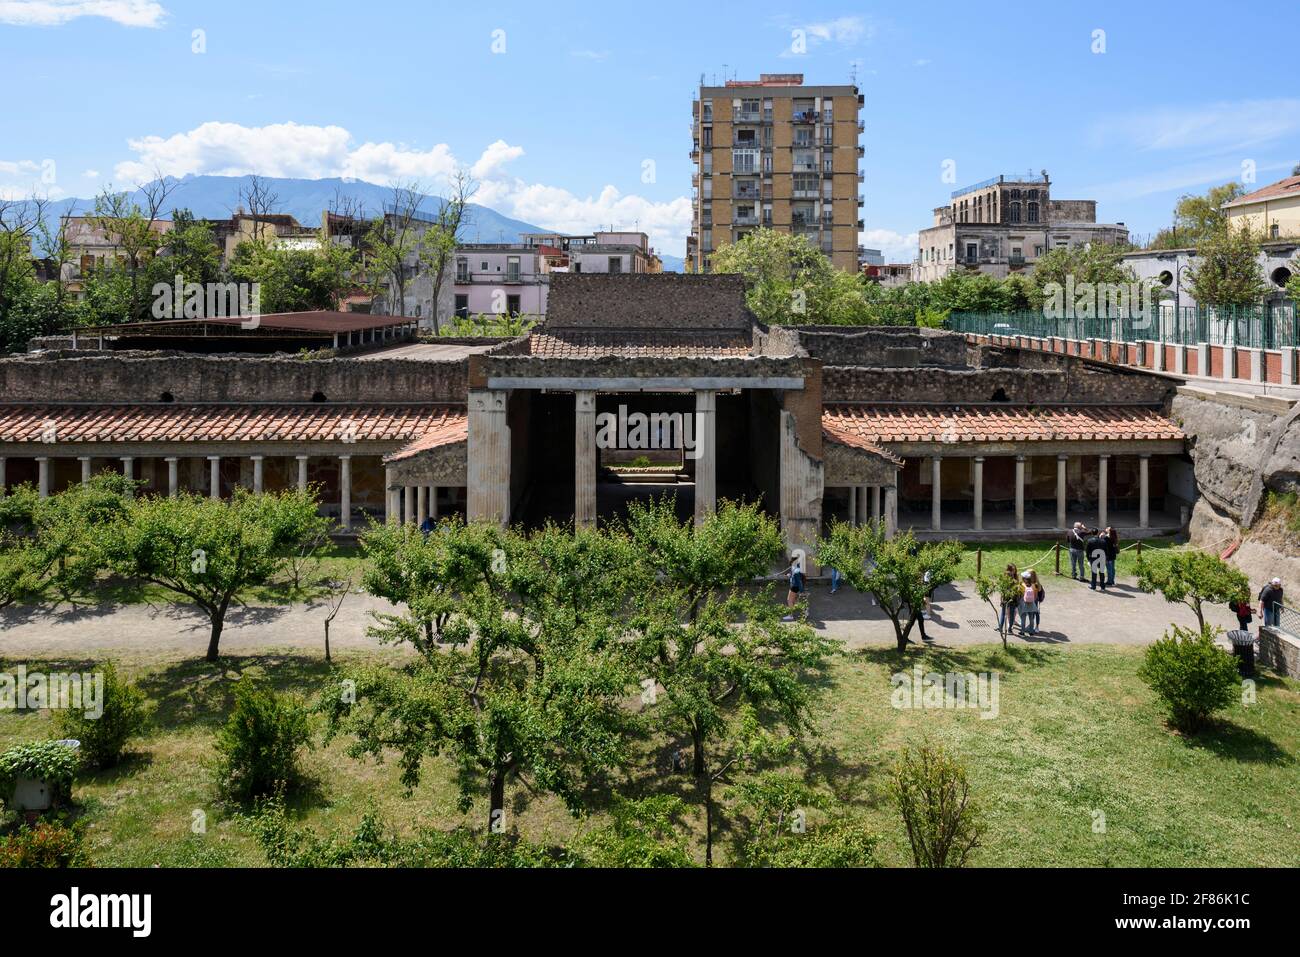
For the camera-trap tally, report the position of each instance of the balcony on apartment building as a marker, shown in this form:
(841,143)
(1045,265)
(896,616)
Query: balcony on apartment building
(743,191)
(740,115)
(805,116)
(750,219)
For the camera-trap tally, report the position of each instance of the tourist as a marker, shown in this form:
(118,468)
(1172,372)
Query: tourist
(1096,546)
(1028,604)
(428,525)
(1112,553)
(1270,603)
(795,574)
(835,580)
(1245,614)
(1006,614)
(1039,594)
(1076,541)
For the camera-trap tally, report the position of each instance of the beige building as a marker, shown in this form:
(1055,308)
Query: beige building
(774,152)
(1273,212)
(1002,225)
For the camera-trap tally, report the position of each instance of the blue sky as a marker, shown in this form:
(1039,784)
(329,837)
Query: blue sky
(574,116)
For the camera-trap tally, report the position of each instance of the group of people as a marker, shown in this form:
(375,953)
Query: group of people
(1028,603)
(1092,555)
(1270,606)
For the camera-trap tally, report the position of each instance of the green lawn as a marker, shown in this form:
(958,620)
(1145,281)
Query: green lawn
(1077,734)
(992,557)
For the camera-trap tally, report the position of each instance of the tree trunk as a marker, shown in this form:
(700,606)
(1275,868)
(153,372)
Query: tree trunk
(697,740)
(214,642)
(327,639)
(708,821)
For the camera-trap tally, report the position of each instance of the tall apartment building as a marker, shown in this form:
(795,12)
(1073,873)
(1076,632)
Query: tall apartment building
(1002,225)
(773,152)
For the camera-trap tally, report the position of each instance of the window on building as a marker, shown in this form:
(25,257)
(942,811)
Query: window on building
(744,160)
(615,264)
(512,269)
(707,137)
(828,164)
(1031,212)
(1273,231)
(462,306)
(972,252)
(803,136)
(805,161)
(1015,212)
(512,305)
(708,110)
(462,270)
(767,162)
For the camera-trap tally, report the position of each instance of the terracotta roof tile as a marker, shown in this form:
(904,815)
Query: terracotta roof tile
(584,344)
(227,423)
(882,425)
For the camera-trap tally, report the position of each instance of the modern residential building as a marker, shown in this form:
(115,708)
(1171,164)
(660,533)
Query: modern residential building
(1272,212)
(1002,225)
(774,152)
(90,247)
(888,274)
(514,278)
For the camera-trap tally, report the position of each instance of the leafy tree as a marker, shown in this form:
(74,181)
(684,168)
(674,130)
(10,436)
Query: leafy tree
(893,570)
(103,737)
(933,796)
(1006,590)
(1196,218)
(778,834)
(291,280)
(211,552)
(535,696)
(1228,272)
(394,243)
(642,833)
(131,222)
(719,650)
(1095,263)
(68,529)
(1191,675)
(189,249)
(1192,577)
(437,244)
(258,746)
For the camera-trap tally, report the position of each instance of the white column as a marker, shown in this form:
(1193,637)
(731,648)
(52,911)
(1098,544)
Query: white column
(979,493)
(392,511)
(345,492)
(2,476)
(408,505)
(257,473)
(173,475)
(302,472)
(853,506)
(584,458)
(1020,491)
(1060,490)
(214,476)
(85,468)
(1144,491)
(706,474)
(421,504)
(43,471)
(489,457)
(861,493)
(936,493)
(875,503)
(1103,465)
(433,502)
(891,511)
(128,467)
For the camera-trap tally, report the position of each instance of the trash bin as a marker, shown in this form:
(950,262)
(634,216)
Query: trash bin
(1243,646)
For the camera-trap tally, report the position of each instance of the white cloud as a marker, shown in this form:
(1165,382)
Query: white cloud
(590,54)
(91,174)
(1213,127)
(54,13)
(20,179)
(844,30)
(896,247)
(1194,177)
(315,152)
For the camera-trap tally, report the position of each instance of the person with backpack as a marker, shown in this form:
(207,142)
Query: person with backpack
(795,574)
(1076,541)
(1245,614)
(1096,548)
(1039,594)
(1028,605)
(1270,603)
(1006,614)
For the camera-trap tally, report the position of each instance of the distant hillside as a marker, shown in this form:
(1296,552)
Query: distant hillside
(216,197)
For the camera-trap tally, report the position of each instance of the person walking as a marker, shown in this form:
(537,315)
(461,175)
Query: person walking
(1076,541)
(1007,613)
(1096,553)
(1112,553)
(1028,605)
(1270,603)
(795,574)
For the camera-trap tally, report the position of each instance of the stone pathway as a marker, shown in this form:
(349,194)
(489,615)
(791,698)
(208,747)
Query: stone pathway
(1072,614)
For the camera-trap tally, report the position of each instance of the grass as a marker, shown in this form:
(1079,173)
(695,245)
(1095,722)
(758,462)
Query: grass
(994,556)
(1077,734)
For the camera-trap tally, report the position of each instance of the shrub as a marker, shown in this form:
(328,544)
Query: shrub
(933,795)
(1191,675)
(258,745)
(46,845)
(104,738)
(48,761)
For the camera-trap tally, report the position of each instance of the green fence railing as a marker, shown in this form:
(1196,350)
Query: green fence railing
(1271,326)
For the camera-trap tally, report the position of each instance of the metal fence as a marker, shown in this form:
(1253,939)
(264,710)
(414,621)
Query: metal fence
(1288,620)
(1270,326)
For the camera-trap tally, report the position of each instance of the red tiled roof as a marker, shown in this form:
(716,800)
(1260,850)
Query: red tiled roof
(636,343)
(857,441)
(919,423)
(1283,187)
(226,423)
(448,433)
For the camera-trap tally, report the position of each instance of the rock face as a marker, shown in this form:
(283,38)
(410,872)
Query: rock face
(1241,446)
